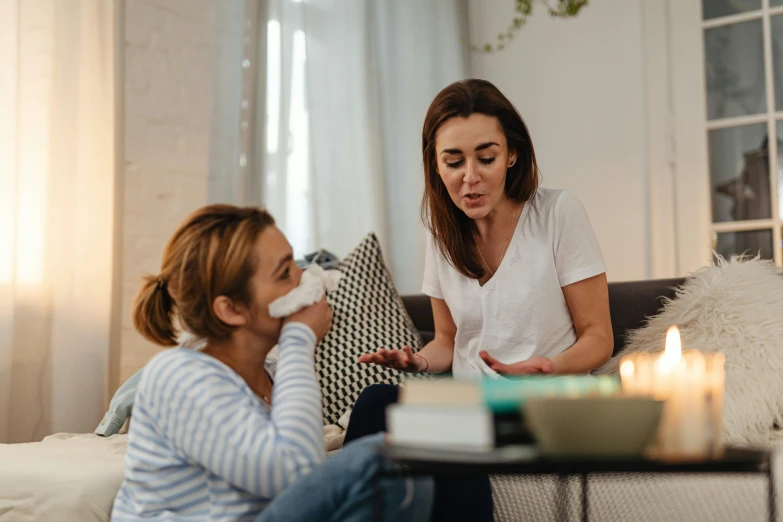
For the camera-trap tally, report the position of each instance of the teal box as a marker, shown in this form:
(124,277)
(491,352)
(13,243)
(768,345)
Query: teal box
(506,394)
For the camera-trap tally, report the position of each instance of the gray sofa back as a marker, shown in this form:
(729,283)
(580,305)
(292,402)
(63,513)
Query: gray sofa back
(630,304)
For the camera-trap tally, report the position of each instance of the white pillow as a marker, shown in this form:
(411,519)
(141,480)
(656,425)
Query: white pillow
(735,307)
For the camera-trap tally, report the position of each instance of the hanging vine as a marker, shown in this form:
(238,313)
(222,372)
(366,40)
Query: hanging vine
(523,9)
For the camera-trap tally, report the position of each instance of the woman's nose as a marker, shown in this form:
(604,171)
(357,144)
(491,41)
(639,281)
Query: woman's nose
(471,173)
(297,274)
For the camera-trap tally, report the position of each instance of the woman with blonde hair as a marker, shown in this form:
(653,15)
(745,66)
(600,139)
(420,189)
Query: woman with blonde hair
(217,432)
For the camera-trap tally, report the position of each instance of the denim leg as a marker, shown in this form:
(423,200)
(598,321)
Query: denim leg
(456,498)
(369,411)
(343,489)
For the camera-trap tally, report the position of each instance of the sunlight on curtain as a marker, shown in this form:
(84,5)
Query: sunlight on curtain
(348,85)
(56,214)
(298,207)
(287,179)
(32,167)
(272,91)
(24,140)
(8,54)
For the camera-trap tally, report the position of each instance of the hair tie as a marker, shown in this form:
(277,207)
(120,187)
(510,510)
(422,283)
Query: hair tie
(161,283)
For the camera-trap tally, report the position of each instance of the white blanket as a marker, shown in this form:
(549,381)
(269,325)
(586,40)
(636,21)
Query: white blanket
(64,478)
(73,478)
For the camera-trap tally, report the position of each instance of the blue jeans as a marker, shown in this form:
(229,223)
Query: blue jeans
(343,489)
(455,498)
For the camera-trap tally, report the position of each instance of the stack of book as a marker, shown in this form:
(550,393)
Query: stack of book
(443,414)
(479,415)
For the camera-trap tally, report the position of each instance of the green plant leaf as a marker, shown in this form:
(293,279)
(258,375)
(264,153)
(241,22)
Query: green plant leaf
(523,9)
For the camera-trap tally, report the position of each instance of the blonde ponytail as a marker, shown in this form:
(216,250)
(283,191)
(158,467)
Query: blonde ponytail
(153,310)
(209,255)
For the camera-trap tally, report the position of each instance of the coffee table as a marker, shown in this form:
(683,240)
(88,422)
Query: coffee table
(525,460)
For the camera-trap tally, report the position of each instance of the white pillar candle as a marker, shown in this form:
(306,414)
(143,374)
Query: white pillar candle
(645,369)
(628,379)
(715,384)
(691,384)
(694,441)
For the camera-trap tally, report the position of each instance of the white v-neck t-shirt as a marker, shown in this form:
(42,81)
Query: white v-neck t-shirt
(521,311)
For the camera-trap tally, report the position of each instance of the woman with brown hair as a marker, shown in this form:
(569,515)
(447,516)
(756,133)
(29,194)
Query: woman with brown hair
(219,434)
(514,272)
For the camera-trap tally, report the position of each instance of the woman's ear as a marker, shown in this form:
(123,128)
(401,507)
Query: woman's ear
(512,158)
(228,312)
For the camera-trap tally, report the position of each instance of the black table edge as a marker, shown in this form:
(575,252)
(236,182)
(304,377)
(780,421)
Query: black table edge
(432,461)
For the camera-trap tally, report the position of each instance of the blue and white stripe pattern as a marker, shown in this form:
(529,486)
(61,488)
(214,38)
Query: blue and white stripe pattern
(203,446)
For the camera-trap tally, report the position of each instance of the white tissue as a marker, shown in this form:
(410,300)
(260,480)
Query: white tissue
(314,284)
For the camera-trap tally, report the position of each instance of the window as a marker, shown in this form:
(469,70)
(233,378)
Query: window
(287,156)
(743,53)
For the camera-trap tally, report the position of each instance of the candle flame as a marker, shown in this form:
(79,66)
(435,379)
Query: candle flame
(672,352)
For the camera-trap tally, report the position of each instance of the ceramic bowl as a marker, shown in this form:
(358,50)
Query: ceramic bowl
(593,427)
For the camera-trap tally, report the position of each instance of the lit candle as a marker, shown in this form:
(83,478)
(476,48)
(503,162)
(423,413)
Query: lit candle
(694,441)
(691,384)
(627,373)
(672,351)
(716,382)
(645,373)
(667,383)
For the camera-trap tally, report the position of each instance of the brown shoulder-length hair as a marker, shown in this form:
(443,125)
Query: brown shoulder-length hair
(450,227)
(210,254)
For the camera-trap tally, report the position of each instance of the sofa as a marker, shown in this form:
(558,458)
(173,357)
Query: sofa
(75,477)
(631,497)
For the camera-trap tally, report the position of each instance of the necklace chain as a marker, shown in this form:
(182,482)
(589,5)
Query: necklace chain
(505,246)
(266,395)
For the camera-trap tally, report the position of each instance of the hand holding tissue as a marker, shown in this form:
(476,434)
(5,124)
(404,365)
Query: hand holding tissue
(313,286)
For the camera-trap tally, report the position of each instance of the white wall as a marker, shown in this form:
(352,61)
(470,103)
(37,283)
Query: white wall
(182,74)
(593,91)
(580,86)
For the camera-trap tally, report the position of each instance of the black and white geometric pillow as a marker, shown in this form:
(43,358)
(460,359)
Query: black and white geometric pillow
(368,315)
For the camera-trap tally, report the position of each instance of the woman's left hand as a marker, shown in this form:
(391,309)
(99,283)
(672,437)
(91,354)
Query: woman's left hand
(534,365)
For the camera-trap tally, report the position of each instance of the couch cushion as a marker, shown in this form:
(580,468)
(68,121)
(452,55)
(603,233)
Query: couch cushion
(368,315)
(631,304)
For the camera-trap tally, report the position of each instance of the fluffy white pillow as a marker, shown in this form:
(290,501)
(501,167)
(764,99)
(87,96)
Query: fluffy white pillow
(735,307)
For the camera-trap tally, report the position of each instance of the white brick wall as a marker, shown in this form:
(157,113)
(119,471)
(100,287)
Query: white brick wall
(181,76)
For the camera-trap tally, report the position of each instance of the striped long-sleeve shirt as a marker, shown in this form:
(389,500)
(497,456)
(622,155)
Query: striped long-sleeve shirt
(203,446)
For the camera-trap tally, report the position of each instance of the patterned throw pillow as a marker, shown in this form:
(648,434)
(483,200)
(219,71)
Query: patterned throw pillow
(368,315)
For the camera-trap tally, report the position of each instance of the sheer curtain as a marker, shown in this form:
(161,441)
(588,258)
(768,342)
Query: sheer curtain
(348,83)
(56,214)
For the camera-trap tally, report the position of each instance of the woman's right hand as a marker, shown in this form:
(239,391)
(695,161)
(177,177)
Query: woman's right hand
(404,360)
(318,317)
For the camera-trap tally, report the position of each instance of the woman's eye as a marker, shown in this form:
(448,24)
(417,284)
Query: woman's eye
(286,274)
(486,161)
(454,164)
